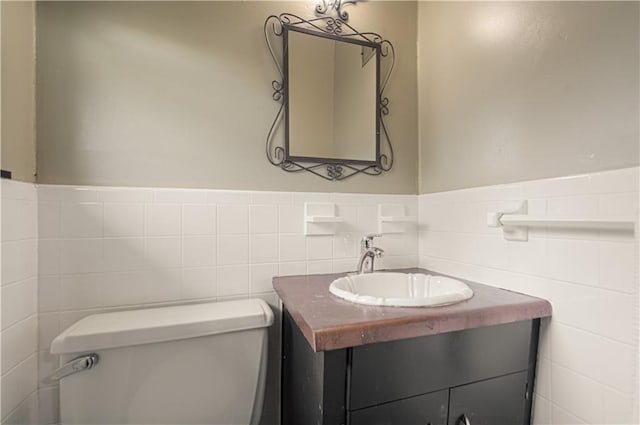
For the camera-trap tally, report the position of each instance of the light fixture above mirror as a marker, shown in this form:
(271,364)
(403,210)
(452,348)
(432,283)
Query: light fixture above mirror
(331,95)
(324,6)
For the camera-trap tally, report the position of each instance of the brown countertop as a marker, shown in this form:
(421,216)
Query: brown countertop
(330,323)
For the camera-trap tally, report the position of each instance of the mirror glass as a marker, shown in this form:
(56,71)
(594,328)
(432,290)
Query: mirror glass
(331,104)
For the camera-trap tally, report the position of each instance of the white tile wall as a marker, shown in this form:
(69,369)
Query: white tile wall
(19,298)
(588,362)
(111,248)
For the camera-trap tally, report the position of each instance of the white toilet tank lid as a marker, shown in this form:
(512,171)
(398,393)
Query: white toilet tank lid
(135,327)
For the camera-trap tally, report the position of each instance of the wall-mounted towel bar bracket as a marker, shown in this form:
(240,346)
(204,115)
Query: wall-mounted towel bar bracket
(515,223)
(511,233)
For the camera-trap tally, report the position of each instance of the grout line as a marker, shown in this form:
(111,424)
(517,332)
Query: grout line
(20,363)
(34,315)
(21,403)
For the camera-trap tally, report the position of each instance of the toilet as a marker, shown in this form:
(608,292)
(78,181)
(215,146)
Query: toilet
(190,364)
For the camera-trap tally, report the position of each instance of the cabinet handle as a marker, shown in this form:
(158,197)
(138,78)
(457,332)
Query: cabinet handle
(463,420)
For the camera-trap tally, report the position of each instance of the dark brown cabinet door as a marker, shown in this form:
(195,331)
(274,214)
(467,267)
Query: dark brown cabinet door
(426,409)
(497,401)
(396,370)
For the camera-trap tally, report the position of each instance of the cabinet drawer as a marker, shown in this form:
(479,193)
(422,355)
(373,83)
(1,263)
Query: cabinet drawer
(426,409)
(498,401)
(400,369)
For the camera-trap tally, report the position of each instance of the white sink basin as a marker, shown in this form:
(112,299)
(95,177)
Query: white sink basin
(400,289)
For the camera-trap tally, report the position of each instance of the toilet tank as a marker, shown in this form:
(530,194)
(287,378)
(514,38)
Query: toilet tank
(193,364)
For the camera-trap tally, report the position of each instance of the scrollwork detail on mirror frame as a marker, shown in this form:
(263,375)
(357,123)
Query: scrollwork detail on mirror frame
(336,26)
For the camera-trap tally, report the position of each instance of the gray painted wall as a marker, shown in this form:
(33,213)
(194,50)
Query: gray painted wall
(513,91)
(18,147)
(178,94)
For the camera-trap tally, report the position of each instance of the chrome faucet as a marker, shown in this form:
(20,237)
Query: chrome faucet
(368,253)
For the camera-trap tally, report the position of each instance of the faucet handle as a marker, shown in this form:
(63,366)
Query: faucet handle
(367,240)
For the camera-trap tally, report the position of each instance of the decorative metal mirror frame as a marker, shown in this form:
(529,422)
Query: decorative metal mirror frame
(335,28)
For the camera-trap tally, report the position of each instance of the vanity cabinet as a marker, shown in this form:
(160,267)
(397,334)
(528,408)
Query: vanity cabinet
(479,376)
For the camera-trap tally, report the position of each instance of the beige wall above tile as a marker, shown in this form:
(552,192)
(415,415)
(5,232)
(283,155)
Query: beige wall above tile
(178,94)
(513,91)
(18,89)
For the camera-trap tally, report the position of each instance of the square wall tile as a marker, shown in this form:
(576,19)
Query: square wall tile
(81,255)
(614,316)
(622,180)
(81,220)
(124,254)
(319,247)
(17,385)
(319,267)
(19,219)
(47,364)
(124,288)
(19,342)
(163,252)
(14,189)
(48,256)
(19,301)
(122,220)
(579,395)
(48,293)
(617,266)
(233,219)
(577,350)
(233,280)
(263,219)
(199,283)
(294,268)
(261,277)
(291,219)
(48,405)
(163,219)
(48,329)
(48,220)
(198,220)
(19,260)
(81,291)
(573,261)
(618,407)
(199,251)
(162,285)
(263,248)
(541,414)
(292,247)
(616,359)
(621,205)
(233,250)
(346,245)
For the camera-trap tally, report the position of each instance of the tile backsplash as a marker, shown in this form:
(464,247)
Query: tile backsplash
(19,297)
(72,251)
(109,247)
(588,359)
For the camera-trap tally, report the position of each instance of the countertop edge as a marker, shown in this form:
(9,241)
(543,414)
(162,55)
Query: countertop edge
(353,336)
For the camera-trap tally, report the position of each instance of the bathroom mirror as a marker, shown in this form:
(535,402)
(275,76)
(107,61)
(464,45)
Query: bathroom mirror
(330,104)
(331,97)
